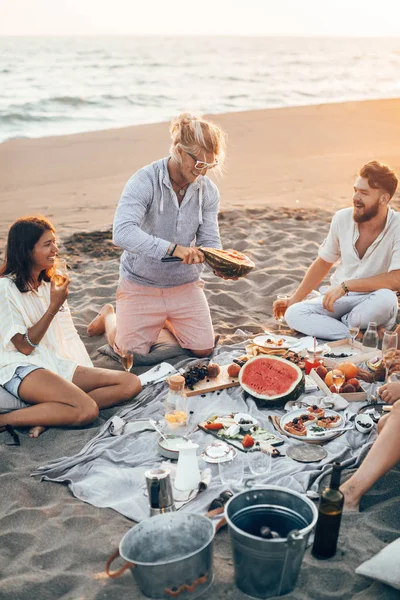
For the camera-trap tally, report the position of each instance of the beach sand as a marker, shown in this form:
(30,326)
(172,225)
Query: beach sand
(54,546)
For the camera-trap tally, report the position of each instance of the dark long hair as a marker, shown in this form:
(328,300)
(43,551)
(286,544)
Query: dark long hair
(22,237)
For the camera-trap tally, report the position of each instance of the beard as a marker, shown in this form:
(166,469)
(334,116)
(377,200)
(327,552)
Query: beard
(367,215)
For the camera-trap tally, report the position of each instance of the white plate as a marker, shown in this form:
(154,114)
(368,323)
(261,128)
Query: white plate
(218,452)
(261,340)
(301,411)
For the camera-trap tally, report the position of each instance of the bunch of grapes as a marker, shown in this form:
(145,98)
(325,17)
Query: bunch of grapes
(194,374)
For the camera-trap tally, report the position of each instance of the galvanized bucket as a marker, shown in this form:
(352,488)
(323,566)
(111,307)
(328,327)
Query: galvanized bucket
(269,567)
(170,556)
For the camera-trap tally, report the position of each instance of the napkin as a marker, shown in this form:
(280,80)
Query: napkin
(333,401)
(183,497)
(118,426)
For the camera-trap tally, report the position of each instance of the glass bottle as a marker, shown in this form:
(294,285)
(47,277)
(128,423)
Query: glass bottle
(175,405)
(370,339)
(313,361)
(329,517)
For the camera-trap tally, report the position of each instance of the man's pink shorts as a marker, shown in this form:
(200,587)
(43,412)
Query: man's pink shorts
(142,312)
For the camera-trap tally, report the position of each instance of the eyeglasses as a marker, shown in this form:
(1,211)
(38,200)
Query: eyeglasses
(201,165)
(221,500)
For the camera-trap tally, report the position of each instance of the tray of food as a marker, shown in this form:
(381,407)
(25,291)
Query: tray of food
(202,378)
(311,424)
(343,350)
(242,431)
(351,388)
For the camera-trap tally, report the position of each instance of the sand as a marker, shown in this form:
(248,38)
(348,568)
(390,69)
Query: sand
(54,546)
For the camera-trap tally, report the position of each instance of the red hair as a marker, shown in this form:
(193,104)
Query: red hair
(380,176)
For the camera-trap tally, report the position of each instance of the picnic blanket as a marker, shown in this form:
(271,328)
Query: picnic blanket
(109,470)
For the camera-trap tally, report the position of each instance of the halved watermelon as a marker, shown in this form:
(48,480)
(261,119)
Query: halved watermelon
(229,263)
(272,379)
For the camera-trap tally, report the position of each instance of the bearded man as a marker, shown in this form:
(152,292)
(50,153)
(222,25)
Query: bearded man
(365,242)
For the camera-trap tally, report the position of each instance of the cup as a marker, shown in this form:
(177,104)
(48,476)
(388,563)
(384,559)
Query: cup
(258,462)
(231,472)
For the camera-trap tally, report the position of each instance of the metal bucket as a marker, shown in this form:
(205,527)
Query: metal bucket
(269,567)
(170,556)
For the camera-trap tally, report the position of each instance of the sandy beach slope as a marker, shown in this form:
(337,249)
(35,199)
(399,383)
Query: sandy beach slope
(308,154)
(53,546)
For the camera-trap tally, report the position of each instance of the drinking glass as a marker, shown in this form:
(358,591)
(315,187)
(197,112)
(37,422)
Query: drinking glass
(370,339)
(338,379)
(354,328)
(127,359)
(259,463)
(59,275)
(280,312)
(231,472)
(59,271)
(389,350)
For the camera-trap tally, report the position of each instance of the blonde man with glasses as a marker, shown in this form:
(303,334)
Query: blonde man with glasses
(167,210)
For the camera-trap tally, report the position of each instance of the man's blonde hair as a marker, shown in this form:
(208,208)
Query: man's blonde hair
(196,135)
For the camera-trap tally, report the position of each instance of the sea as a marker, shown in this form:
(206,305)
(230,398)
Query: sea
(63,85)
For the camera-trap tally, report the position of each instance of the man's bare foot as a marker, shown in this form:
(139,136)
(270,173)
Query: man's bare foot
(98,325)
(34,432)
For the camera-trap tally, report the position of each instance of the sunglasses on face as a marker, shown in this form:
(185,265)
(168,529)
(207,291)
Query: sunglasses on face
(200,164)
(221,500)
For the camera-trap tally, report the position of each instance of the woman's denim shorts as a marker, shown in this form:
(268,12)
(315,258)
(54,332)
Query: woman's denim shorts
(21,372)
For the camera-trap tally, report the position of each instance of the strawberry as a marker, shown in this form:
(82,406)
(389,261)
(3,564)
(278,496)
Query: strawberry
(247,441)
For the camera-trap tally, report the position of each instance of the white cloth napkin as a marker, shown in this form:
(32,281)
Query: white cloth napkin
(182,498)
(384,566)
(118,426)
(333,401)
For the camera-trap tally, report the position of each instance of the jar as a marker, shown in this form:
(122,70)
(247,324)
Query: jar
(313,361)
(175,405)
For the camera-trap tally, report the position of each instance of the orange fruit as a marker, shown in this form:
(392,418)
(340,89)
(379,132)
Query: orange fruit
(328,379)
(349,369)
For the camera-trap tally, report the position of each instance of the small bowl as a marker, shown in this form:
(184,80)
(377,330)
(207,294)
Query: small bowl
(363,423)
(169,448)
(246,417)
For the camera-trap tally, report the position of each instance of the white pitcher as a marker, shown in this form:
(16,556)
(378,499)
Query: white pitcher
(187,472)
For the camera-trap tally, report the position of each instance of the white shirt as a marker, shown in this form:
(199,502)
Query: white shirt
(60,350)
(382,256)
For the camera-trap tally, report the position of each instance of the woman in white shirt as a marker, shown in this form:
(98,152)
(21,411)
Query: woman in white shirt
(43,362)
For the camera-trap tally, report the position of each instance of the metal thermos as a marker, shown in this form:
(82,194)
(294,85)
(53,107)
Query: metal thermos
(161,499)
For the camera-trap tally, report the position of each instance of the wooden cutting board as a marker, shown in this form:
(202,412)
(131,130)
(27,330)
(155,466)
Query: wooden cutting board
(221,382)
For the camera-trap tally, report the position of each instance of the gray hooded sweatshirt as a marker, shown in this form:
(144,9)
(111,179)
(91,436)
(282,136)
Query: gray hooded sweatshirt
(149,218)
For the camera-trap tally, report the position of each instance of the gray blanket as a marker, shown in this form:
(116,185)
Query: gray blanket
(109,470)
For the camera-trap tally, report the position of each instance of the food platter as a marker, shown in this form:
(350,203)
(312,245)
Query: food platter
(311,436)
(276,342)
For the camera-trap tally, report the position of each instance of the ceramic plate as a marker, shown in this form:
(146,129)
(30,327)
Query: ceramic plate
(306,453)
(169,447)
(325,435)
(262,340)
(218,452)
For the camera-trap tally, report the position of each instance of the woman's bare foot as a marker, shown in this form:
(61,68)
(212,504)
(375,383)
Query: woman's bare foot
(351,498)
(98,325)
(34,432)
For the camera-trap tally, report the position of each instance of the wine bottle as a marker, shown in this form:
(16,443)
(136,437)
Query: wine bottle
(329,517)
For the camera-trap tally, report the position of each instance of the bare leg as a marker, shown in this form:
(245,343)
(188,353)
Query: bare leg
(107,387)
(202,353)
(55,402)
(384,454)
(104,322)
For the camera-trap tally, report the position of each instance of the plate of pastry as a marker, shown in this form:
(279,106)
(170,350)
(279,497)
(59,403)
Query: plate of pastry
(311,424)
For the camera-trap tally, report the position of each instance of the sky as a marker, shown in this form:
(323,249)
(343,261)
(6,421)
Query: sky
(201,17)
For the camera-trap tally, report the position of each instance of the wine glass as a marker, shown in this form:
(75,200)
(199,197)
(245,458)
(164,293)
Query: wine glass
(354,328)
(280,310)
(59,275)
(127,359)
(338,379)
(389,350)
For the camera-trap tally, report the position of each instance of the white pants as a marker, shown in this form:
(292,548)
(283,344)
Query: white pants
(311,318)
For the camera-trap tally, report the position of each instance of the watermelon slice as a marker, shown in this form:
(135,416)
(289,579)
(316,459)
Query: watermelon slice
(272,379)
